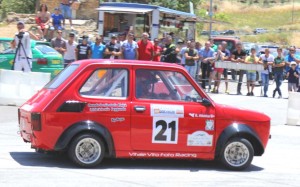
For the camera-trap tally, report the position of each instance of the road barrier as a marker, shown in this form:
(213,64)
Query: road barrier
(16,87)
(238,66)
(293,115)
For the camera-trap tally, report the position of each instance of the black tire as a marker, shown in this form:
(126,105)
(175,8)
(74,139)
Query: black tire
(237,154)
(86,150)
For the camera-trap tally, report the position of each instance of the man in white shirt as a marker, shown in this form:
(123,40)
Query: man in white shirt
(267,60)
(23,50)
(70,54)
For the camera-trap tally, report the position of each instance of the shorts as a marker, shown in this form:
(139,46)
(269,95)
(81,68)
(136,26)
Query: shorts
(225,72)
(56,27)
(66,11)
(251,76)
(219,70)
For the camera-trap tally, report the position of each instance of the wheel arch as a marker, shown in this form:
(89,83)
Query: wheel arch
(86,127)
(243,131)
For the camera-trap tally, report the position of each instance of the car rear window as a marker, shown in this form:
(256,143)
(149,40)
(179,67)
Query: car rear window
(61,77)
(46,50)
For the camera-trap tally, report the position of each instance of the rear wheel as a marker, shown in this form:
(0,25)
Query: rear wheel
(237,154)
(86,150)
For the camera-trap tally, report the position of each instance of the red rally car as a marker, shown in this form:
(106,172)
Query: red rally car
(136,109)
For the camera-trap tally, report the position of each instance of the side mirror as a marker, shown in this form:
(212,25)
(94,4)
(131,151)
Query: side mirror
(205,102)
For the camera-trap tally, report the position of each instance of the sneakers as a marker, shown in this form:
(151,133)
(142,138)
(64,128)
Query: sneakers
(227,92)
(72,28)
(248,94)
(239,93)
(265,95)
(251,93)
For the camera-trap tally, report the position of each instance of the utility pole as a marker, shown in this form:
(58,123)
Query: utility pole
(210,17)
(293,11)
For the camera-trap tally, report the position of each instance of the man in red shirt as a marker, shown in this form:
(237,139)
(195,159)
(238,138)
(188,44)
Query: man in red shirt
(157,50)
(145,48)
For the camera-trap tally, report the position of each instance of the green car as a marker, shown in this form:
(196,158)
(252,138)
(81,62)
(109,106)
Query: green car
(44,58)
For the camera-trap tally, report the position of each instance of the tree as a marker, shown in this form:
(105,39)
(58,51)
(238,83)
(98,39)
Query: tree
(24,6)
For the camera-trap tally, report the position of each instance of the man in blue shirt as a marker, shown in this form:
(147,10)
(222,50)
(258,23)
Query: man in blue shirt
(205,54)
(292,56)
(129,48)
(98,48)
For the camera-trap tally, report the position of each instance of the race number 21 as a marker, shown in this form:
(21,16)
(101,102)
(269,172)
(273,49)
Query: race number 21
(165,130)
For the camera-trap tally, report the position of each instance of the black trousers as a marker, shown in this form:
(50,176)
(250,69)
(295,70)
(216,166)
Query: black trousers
(241,75)
(205,69)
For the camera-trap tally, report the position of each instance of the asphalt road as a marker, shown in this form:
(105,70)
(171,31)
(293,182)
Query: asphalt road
(279,166)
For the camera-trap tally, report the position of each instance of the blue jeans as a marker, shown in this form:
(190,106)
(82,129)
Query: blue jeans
(278,77)
(191,70)
(265,82)
(66,11)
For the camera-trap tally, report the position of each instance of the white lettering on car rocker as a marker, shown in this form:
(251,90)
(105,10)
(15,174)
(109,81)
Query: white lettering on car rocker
(199,138)
(165,130)
(162,155)
(117,119)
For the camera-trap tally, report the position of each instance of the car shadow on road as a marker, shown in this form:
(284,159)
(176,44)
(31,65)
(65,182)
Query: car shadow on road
(61,161)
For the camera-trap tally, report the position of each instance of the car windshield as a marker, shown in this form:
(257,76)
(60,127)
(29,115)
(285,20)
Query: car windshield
(46,50)
(61,77)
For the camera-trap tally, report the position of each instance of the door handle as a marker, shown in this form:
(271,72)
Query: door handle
(139,108)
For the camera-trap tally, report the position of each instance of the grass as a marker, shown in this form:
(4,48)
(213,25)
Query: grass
(245,18)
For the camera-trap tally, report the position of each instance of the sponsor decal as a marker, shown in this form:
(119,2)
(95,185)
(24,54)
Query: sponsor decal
(167,110)
(162,155)
(3,59)
(118,119)
(209,125)
(107,107)
(194,115)
(199,138)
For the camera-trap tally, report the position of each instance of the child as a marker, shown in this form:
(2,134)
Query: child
(216,74)
(251,75)
(292,77)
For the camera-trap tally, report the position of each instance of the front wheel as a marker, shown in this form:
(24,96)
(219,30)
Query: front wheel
(237,154)
(86,150)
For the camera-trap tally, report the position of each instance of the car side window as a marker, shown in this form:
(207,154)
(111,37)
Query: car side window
(112,83)
(164,85)
(5,48)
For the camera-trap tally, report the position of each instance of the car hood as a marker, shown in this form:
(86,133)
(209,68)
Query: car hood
(239,114)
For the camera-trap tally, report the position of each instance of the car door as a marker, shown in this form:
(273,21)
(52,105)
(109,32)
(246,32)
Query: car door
(106,94)
(169,117)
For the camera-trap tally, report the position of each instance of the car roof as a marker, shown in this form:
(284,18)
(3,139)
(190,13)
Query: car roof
(127,62)
(33,42)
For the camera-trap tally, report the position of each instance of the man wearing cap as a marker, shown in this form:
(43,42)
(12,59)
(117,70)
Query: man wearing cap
(70,54)
(83,50)
(113,49)
(58,43)
(145,48)
(23,56)
(98,48)
(292,57)
(170,51)
(130,48)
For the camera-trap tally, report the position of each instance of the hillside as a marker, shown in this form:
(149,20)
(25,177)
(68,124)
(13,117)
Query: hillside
(245,18)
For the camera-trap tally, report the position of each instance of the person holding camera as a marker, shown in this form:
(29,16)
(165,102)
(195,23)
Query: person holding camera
(267,61)
(22,44)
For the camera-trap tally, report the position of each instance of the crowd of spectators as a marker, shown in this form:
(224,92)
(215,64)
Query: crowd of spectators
(198,61)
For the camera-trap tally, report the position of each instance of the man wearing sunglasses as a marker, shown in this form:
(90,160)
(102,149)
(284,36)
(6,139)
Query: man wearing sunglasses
(290,57)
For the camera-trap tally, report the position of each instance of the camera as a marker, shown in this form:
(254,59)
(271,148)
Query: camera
(20,35)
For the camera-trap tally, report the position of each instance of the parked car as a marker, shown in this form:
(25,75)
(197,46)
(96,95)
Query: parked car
(228,32)
(137,109)
(45,58)
(231,41)
(247,46)
(259,31)
(204,32)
